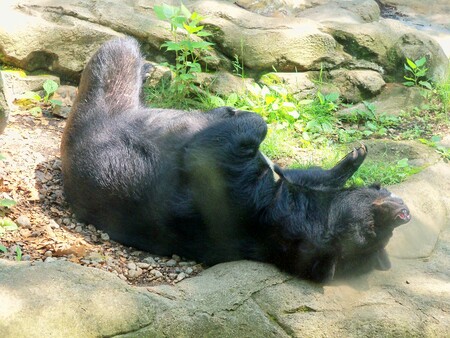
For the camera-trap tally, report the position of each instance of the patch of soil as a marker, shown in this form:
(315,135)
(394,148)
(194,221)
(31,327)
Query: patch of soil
(31,175)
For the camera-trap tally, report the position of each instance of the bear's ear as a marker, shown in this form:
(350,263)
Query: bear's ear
(323,269)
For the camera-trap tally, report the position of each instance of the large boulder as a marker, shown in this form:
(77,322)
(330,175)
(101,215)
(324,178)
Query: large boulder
(263,43)
(288,36)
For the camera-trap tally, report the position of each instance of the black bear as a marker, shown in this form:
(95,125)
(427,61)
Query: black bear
(196,184)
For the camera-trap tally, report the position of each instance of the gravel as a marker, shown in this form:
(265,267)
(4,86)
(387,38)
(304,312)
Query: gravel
(31,175)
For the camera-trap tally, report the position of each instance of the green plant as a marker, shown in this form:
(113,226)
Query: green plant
(385,173)
(416,73)
(34,102)
(5,222)
(17,250)
(18,253)
(238,63)
(369,122)
(190,50)
(434,143)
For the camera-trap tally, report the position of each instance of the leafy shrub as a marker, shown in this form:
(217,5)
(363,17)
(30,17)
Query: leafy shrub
(416,73)
(189,50)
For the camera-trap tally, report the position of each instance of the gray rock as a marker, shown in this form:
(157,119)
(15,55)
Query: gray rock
(308,46)
(299,84)
(149,260)
(104,236)
(171,263)
(23,221)
(132,266)
(357,85)
(156,273)
(393,99)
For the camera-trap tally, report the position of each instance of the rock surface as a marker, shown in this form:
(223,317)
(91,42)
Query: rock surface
(289,36)
(249,299)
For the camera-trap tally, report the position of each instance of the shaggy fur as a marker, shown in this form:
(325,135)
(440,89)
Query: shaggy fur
(196,184)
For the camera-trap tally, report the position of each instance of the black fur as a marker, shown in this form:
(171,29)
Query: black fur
(196,184)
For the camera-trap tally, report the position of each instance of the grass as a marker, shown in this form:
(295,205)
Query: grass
(296,125)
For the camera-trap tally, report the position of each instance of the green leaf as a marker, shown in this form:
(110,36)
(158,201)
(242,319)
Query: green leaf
(421,72)
(171,46)
(295,114)
(159,11)
(232,99)
(2,157)
(8,224)
(435,138)
(50,87)
(421,61)
(408,84)
(31,96)
(8,203)
(332,97)
(56,102)
(204,33)
(36,111)
(426,84)
(185,11)
(403,163)
(3,248)
(411,63)
(18,253)
(192,29)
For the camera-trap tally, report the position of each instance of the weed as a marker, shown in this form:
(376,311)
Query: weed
(434,143)
(34,103)
(238,63)
(384,173)
(18,253)
(188,51)
(369,123)
(416,73)
(17,250)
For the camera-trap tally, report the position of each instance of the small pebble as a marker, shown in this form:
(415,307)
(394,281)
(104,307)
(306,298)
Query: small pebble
(23,221)
(131,266)
(79,228)
(149,260)
(91,227)
(132,273)
(53,224)
(48,253)
(171,263)
(181,276)
(26,257)
(143,265)
(104,236)
(156,273)
(176,257)
(189,270)
(49,259)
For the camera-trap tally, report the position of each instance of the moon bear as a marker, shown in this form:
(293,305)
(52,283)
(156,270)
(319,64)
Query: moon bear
(196,184)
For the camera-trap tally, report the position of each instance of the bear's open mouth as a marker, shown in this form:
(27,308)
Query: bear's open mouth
(403,216)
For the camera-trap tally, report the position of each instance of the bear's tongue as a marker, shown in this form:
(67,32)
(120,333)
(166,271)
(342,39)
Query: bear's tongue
(403,216)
